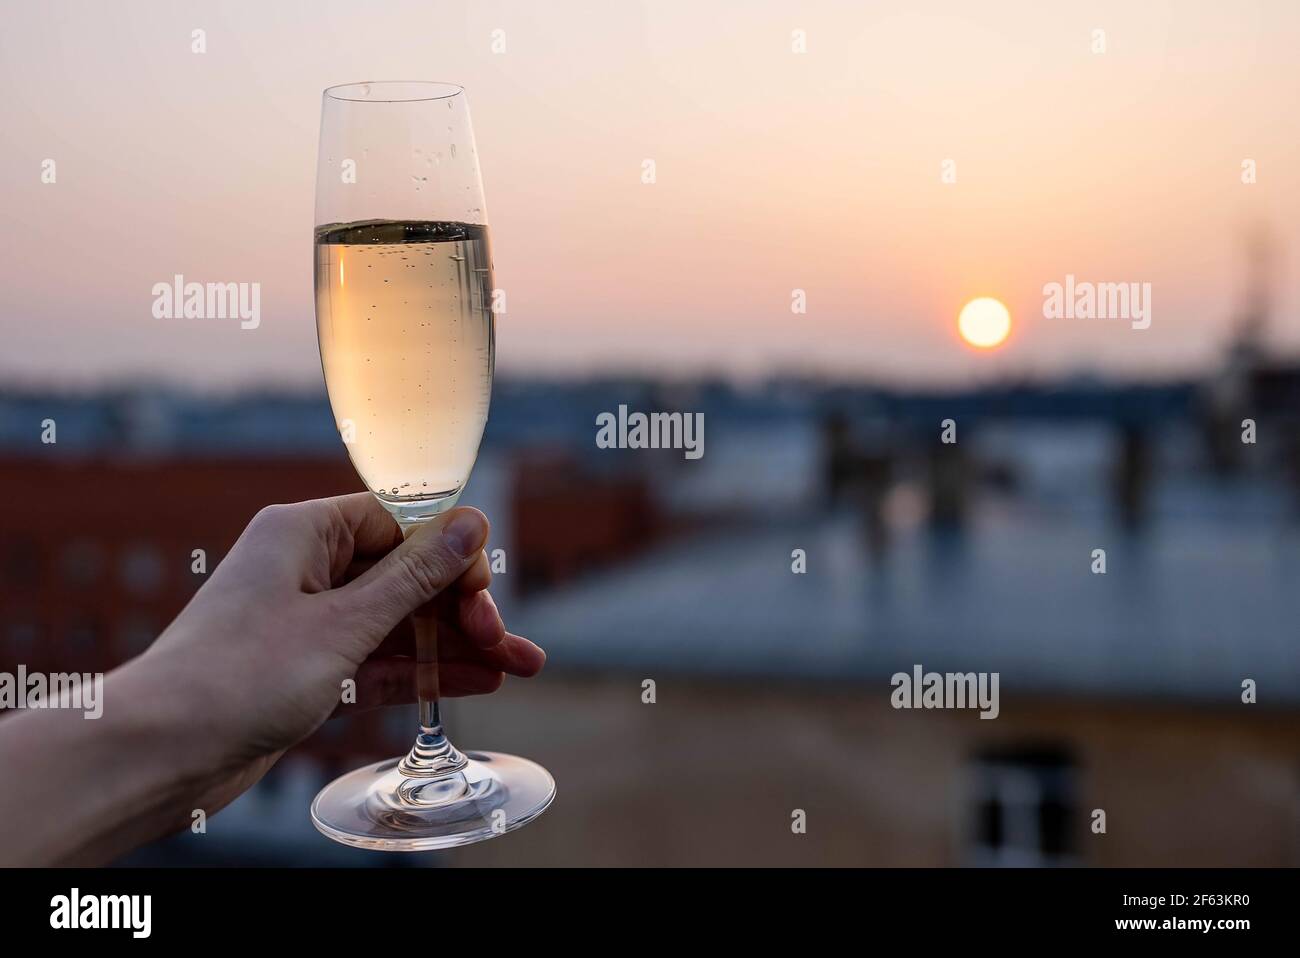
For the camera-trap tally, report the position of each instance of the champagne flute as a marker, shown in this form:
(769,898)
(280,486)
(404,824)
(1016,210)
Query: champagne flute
(407,342)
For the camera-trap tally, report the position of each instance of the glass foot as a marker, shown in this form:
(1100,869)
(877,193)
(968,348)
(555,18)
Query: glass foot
(378,807)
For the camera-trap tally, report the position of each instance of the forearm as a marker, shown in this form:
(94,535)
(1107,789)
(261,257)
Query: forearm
(83,791)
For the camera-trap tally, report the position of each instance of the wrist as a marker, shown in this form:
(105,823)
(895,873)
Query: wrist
(165,714)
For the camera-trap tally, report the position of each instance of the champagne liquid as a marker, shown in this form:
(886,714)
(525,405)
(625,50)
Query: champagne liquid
(407,343)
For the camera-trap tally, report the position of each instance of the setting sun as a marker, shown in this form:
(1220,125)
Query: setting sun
(984,322)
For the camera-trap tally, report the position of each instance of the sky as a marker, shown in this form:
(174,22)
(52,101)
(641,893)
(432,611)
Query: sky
(775,171)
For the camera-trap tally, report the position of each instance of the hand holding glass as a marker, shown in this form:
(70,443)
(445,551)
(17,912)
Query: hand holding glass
(407,343)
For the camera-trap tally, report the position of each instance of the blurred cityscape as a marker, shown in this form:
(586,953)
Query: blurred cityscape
(674,187)
(1119,691)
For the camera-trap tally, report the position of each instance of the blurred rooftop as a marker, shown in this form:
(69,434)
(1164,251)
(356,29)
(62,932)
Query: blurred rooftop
(1188,610)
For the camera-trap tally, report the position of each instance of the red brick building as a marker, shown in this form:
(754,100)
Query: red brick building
(99,555)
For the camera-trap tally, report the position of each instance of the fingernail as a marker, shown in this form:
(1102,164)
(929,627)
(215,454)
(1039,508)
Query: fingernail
(465,533)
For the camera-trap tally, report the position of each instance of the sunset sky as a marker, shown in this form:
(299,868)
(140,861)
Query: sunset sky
(775,171)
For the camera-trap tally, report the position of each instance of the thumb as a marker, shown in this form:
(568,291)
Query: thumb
(431,558)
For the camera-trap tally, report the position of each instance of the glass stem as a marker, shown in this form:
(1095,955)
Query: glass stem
(432,755)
